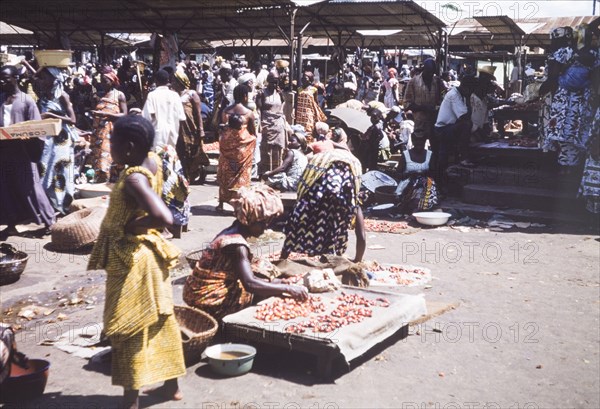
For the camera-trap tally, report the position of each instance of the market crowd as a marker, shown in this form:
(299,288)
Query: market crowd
(147,134)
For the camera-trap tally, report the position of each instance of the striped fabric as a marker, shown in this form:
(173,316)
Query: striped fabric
(138,311)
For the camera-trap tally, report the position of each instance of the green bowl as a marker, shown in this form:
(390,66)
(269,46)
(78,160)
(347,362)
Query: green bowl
(230,359)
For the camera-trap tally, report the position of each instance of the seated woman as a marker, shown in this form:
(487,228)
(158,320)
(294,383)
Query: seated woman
(420,193)
(223,282)
(323,141)
(288,174)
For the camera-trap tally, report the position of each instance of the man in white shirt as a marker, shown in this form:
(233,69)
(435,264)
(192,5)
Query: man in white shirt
(453,127)
(164,109)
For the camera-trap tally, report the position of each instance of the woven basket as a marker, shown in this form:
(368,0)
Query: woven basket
(78,229)
(197,330)
(193,256)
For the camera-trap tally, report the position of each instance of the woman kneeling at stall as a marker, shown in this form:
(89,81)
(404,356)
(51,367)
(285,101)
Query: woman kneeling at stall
(223,281)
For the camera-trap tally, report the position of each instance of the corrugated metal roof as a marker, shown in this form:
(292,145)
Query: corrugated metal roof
(207,20)
(471,33)
(500,25)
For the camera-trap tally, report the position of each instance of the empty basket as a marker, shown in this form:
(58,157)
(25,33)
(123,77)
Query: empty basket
(197,330)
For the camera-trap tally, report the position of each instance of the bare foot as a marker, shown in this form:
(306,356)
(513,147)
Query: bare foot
(166,234)
(130,399)
(166,391)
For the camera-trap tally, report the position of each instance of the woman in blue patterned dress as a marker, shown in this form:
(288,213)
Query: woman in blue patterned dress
(58,157)
(574,102)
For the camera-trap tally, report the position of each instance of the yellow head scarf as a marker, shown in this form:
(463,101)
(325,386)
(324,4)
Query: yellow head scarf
(182,78)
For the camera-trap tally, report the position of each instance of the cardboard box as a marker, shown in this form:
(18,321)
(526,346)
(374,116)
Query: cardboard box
(31,129)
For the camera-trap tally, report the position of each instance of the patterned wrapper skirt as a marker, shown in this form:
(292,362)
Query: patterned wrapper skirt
(321,218)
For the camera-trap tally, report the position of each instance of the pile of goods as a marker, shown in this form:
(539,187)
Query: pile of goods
(381,226)
(349,309)
(396,274)
(321,281)
(288,309)
(211,147)
(293,256)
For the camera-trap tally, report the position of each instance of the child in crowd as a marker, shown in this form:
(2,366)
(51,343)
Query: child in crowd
(287,176)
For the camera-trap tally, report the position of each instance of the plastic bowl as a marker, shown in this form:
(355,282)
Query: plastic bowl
(24,384)
(432,218)
(230,359)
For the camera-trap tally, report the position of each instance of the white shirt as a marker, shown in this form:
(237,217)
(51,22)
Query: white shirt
(7,114)
(479,112)
(164,109)
(261,79)
(453,107)
(228,89)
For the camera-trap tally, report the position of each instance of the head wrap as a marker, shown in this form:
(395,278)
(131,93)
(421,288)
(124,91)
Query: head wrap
(321,128)
(339,135)
(257,203)
(110,73)
(301,136)
(246,78)
(583,35)
(59,79)
(350,85)
(182,78)
(298,128)
(282,64)
(562,32)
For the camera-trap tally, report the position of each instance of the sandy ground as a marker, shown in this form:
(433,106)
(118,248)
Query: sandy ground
(525,335)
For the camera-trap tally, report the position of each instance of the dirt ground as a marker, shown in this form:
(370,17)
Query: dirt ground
(525,333)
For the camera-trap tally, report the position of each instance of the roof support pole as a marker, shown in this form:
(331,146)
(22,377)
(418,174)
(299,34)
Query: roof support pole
(102,49)
(299,59)
(292,42)
(300,46)
(442,51)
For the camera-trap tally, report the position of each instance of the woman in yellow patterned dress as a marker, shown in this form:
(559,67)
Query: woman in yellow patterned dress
(223,280)
(138,312)
(111,107)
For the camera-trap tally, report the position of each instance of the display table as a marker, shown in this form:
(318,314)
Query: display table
(346,343)
(508,114)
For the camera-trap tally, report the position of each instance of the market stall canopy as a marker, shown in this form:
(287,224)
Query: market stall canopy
(486,33)
(213,20)
(14,35)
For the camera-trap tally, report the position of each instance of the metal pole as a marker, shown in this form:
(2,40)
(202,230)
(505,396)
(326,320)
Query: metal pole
(292,38)
(102,50)
(299,60)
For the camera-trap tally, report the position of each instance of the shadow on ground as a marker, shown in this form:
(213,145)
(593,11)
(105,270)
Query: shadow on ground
(300,368)
(58,400)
